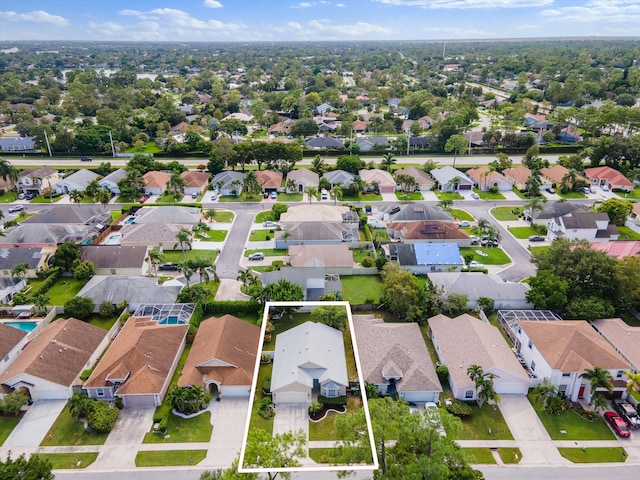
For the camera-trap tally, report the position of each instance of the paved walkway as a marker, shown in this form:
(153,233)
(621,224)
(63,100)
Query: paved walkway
(35,424)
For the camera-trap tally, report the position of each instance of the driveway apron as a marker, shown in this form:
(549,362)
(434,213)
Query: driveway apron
(291,417)
(228,418)
(35,424)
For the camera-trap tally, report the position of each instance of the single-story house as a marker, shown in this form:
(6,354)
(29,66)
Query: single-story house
(552,210)
(12,341)
(428,231)
(139,363)
(464,341)
(35,258)
(423,181)
(18,144)
(569,135)
(110,182)
(303,178)
(359,126)
(316,233)
(9,286)
(383,179)
(518,176)
(48,235)
(562,350)
(281,128)
(270,180)
(450,179)
(421,258)
(129,260)
(222,358)
(229,183)
(367,144)
(318,213)
(136,290)
(413,212)
(168,214)
(63,215)
(395,359)
(592,226)
(475,285)
(76,181)
(308,358)
(321,143)
(35,180)
(607,176)
(151,234)
(624,339)
(332,257)
(49,366)
(619,249)
(155,183)
(195,181)
(554,174)
(339,177)
(314,281)
(487,179)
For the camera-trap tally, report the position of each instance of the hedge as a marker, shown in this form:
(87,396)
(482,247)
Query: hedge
(103,417)
(52,277)
(333,401)
(232,307)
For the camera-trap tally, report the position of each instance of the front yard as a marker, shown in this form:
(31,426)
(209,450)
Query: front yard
(594,455)
(486,423)
(69,461)
(176,256)
(7,424)
(522,232)
(183,430)
(506,214)
(461,214)
(493,256)
(357,289)
(169,458)
(211,235)
(257,421)
(67,430)
(488,195)
(402,196)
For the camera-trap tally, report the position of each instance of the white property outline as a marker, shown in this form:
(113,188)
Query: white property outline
(365,404)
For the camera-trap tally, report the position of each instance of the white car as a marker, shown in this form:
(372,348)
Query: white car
(475,196)
(324,195)
(432,413)
(464,223)
(474,264)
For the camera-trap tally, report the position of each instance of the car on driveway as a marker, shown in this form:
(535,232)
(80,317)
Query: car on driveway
(475,196)
(16,208)
(536,238)
(256,256)
(169,267)
(474,264)
(270,224)
(628,413)
(432,413)
(617,424)
(274,195)
(464,224)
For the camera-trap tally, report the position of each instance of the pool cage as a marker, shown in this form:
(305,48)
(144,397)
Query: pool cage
(509,319)
(167,313)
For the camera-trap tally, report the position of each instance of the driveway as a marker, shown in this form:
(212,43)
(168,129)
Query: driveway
(291,417)
(228,417)
(35,424)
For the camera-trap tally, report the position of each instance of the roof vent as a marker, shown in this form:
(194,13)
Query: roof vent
(54,341)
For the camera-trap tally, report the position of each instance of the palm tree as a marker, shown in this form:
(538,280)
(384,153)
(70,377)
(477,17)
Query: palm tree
(634,381)
(483,225)
(76,196)
(475,372)
(103,196)
(534,205)
(209,213)
(246,277)
(92,187)
(41,300)
(184,240)
(311,192)
(318,166)
(9,173)
(455,182)
(204,266)
(154,258)
(336,194)
(176,185)
(599,378)
(187,270)
(546,390)
(388,160)
(20,270)
(80,405)
(445,203)
(291,186)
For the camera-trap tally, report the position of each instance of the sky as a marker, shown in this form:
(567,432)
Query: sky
(316,20)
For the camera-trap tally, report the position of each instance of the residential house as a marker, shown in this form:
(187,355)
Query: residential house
(464,341)
(314,281)
(318,213)
(36,180)
(281,128)
(554,174)
(35,258)
(33,235)
(9,286)
(423,182)
(421,258)
(359,127)
(135,290)
(18,144)
(475,138)
(607,176)
(324,107)
(383,179)
(229,183)
(303,178)
(476,285)
(619,249)
(222,358)
(394,358)
(334,258)
(591,226)
(270,180)
(196,182)
(562,350)
(536,122)
(624,339)
(49,366)
(634,217)
(139,363)
(419,142)
(76,181)
(339,177)
(552,210)
(150,234)
(93,215)
(367,144)
(12,342)
(110,182)
(243,117)
(412,212)
(518,176)
(168,214)
(117,259)
(308,358)
(323,143)
(428,231)
(569,135)
(487,179)
(450,179)
(316,233)
(155,182)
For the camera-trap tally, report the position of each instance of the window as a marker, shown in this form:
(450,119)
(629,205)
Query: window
(533,365)
(6,359)
(468,394)
(619,375)
(562,388)
(530,344)
(566,374)
(100,392)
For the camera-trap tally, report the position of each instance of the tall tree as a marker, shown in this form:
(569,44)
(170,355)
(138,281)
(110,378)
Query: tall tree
(103,197)
(599,379)
(387,162)
(311,193)
(176,185)
(154,258)
(76,196)
(456,144)
(283,450)
(184,240)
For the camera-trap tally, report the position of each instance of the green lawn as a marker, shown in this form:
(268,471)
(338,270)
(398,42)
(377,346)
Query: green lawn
(448,195)
(522,232)
(379,234)
(627,234)
(266,216)
(635,394)
(321,455)
(43,199)
(594,455)
(150,147)
(537,249)
(358,288)
(115,214)
(64,290)
(409,196)
(261,235)
(571,195)
(461,214)
(69,461)
(510,455)
(66,430)
(290,197)
(495,256)
(184,430)
(212,236)
(504,214)
(242,198)
(360,253)
(8,197)
(635,195)
(169,458)
(104,323)
(523,195)
(368,197)
(577,428)
(488,195)
(7,424)
(268,252)
(223,216)
(479,455)
(325,429)
(482,421)
(256,420)
(176,256)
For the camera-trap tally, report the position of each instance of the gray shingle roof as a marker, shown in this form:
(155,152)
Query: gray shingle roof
(476,284)
(135,290)
(114,256)
(169,214)
(12,256)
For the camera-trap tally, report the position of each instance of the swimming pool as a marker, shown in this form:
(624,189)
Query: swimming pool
(170,321)
(24,326)
(113,239)
(130,220)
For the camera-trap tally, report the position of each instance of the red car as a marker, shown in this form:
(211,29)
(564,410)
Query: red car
(617,423)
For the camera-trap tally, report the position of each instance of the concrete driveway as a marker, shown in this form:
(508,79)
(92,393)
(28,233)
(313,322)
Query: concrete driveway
(229,417)
(291,417)
(35,424)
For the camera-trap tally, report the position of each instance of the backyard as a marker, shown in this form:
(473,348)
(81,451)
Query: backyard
(357,289)
(627,234)
(64,289)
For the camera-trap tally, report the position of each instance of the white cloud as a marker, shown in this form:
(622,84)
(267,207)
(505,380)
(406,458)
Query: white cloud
(310,4)
(174,21)
(467,3)
(357,29)
(212,4)
(341,5)
(597,11)
(37,16)
(461,32)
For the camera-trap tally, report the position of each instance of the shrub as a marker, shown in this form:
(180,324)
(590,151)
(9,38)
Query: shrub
(266,386)
(367,261)
(13,402)
(103,417)
(443,373)
(163,424)
(267,237)
(315,408)
(52,277)
(266,410)
(157,418)
(86,374)
(333,401)
(20,299)
(232,307)
(79,307)
(381,262)
(107,309)
(458,408)
(494,190)
(119,403)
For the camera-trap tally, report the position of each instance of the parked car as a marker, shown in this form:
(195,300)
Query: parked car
(475,196)
(16,208)
(274,195)
(605,188)
(618,424)
(270,224)
(628,413)
(256,256)
(474,264)
(265,194)
(536,238)
(592,189)
(585,190)
(194,195)
(173,267)
(214,196)
(432,413)
(464,223)
(86,159)
(324,195)
(144,198)
(21,196)
(551,190)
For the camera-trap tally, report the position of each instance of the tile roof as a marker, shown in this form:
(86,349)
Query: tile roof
(429,230)
(169,214)
(572,345)
(59,353)
(143,354)
(555,173)
(269,178)
(420,176)
(519,174)
(476,284)
(314,213)
(224,350)
(115,288)
(12,256)
(411,212)
(62,214)
(614,177)
(339,176)
(618,249)
(382,177)
(151,233)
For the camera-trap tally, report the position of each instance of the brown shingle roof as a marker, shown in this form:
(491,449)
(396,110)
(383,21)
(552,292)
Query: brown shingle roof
(195,179)
(9,338)
(269,178)
(572,345)
(623,337)
(156,179)
(142,353)
(520,174)
(59,353)
(114,256)
(321,255)
(555,173)
(224,351)
(429,230)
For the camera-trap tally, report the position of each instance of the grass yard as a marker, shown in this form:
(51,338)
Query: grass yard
(268,252)
(290,197)
(627,234)
(242,198)
(537,249)
(635,195)
(169,458)
(367,197)
(66,430)
(482,421)
(184,430)
(577,428)
(522,232)
(256,420)
(321,455)
(359,288)
(523,195)
(379,234)
(409,196)
(64,289)
(222,216)
(505,214)
(261,235)
(115,214)
(69,461)
(479,455)
(571,195)
(510,455)
(149,147)
(8,197)
(212,236)
(43,199)
(489,195)
(495,256)
(7,424)
(176,256)
(266,216)
(448,195)
(325,429)
(461,214)
(360,253)
(594,455)
(101,322)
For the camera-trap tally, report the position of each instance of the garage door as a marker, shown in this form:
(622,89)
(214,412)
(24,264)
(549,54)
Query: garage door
(58,394)
(464,187)
(139,400)
(511,389)
(290,397)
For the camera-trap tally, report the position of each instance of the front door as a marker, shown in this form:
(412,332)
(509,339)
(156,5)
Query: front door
(581,391)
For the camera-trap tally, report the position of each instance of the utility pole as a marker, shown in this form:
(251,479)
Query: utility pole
(46,139)
(113,149)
